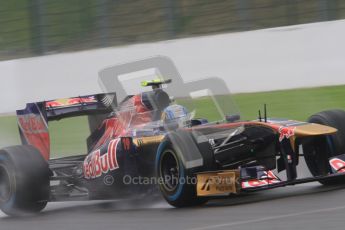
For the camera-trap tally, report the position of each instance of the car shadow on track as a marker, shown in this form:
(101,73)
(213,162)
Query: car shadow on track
(158,204)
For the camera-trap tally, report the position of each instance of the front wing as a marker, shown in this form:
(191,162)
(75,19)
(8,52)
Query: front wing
(224,183)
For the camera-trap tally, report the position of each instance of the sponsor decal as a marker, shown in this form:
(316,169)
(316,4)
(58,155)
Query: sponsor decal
(206,186)
(286,123)
(70,101)
(217,183)
(81,100)
(35,132)
(338,165)
(50,104)
(286,132)
(140,142)
(32,123)
(267,179)
(96,164)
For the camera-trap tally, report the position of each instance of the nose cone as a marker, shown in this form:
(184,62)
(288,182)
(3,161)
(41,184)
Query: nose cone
(314,130)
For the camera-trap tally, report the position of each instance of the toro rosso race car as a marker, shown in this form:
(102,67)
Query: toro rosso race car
(149,135)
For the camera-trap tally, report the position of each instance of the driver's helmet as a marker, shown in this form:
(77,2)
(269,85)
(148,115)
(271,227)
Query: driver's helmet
(175,116)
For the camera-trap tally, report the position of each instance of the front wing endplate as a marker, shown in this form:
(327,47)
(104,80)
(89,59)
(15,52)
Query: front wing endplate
(218,183)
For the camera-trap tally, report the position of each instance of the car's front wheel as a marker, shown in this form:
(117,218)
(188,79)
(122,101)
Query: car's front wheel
(176,183)
(318,150)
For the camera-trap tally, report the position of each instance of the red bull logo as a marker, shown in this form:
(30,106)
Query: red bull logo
(35,132)
(32,124)
(96,164)
(70,101)
(286,132)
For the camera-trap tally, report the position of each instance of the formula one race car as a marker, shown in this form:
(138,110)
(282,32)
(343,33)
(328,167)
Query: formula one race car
(151,138)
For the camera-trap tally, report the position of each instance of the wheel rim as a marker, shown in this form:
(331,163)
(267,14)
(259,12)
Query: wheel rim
(5,184)
(169,170)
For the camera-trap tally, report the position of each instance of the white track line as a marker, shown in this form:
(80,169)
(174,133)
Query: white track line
(268,218)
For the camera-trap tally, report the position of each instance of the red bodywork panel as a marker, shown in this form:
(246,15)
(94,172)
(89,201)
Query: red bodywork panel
(132,113)
(33,128)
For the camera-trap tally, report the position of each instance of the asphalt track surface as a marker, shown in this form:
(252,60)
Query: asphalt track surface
(308,206)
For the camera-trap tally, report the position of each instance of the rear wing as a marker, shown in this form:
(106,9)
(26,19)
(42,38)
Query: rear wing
(78,106)
(33,120)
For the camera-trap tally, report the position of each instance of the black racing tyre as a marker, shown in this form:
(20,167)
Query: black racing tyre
(177,183)
(318,150)
(24,180)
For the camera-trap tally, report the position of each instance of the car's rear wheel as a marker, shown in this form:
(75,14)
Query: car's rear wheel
(318,150)
(5,183)
(24,180)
